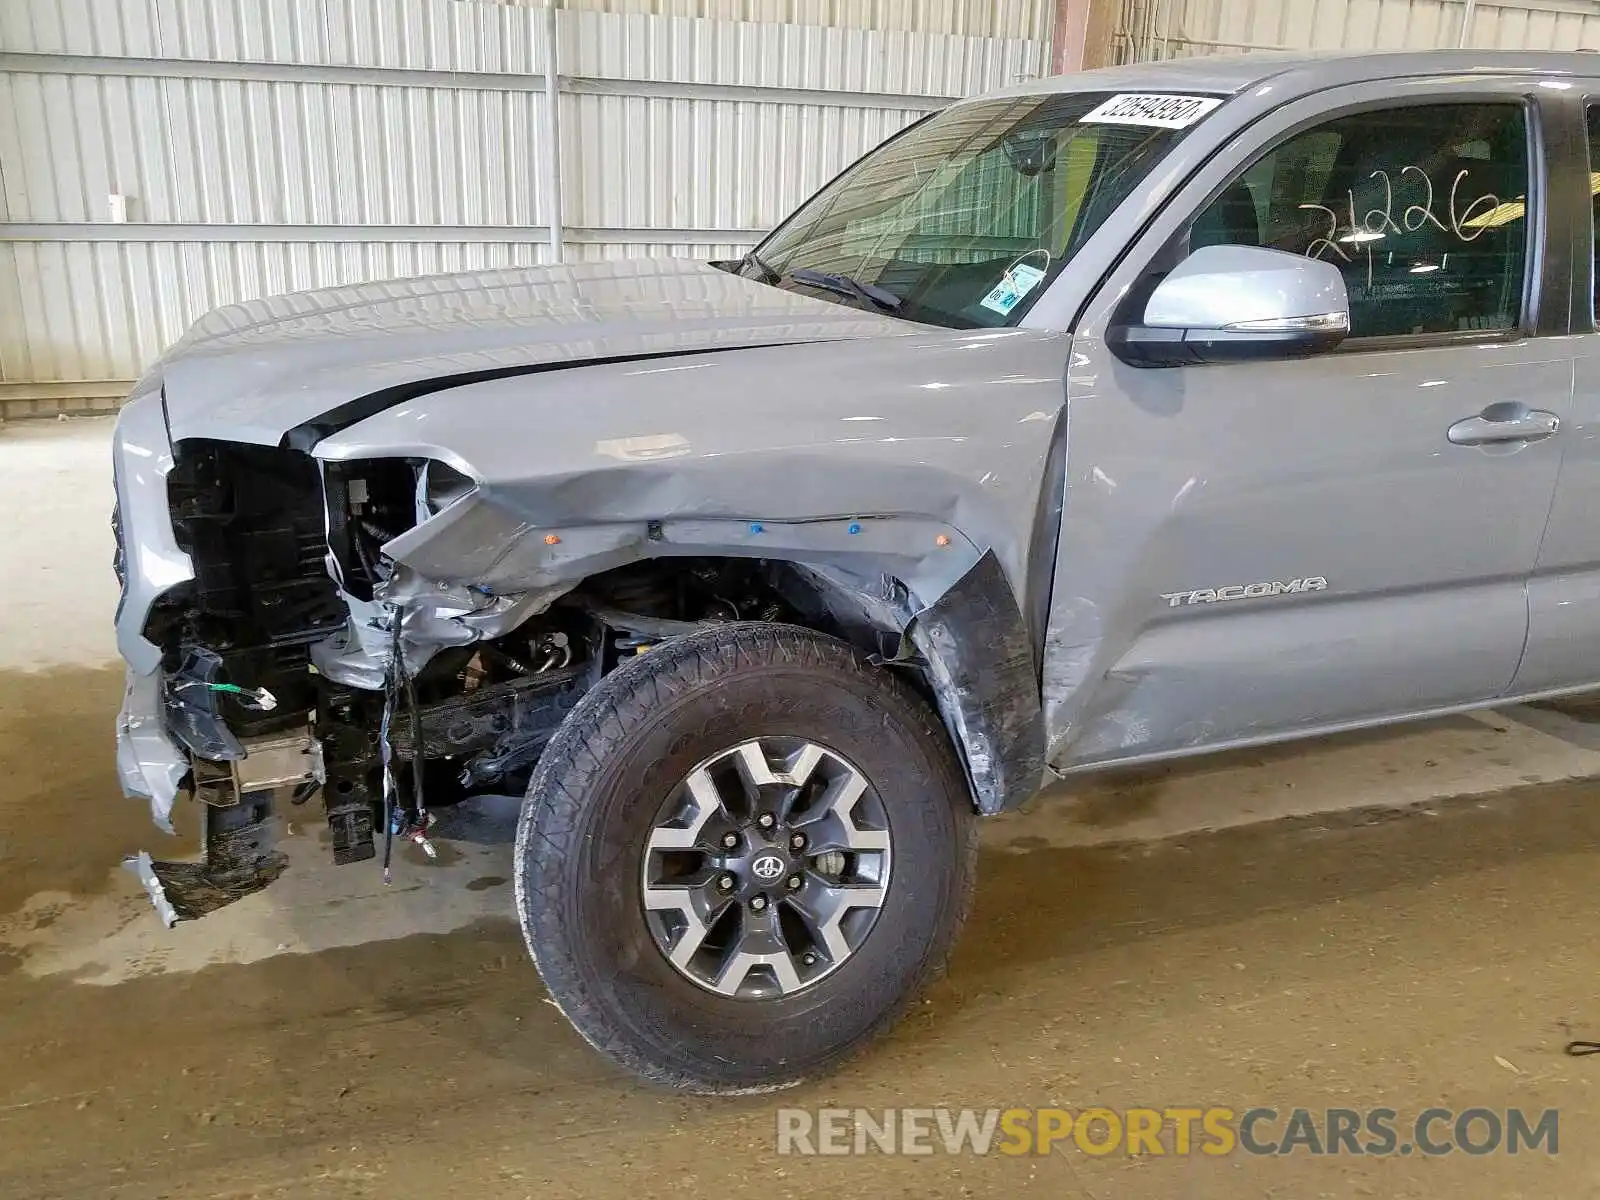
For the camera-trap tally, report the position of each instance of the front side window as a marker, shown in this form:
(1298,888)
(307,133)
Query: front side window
(964,219)
(1423,209)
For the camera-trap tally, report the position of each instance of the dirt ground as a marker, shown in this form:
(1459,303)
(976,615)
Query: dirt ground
(1433,957)
(1313,927)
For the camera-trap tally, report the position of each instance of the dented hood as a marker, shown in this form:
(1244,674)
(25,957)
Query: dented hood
(252,372)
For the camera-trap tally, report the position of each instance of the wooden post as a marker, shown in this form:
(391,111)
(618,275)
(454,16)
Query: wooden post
(1083,34)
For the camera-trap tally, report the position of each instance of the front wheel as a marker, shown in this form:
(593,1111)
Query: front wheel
(742,856)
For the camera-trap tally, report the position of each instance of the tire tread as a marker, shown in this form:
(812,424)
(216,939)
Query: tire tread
(634,694)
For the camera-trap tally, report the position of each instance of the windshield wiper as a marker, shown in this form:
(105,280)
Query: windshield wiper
(843,285)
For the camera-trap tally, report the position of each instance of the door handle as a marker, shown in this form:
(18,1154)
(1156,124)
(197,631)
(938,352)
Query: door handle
(1504,423)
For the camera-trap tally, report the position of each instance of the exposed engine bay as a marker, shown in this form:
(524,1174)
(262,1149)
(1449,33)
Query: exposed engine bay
(300,659)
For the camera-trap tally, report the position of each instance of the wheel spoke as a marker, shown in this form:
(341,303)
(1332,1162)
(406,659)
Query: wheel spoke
(761,944)
(698,907)
(834,819)
(823,907)
(758,770)
(704,802)
(741,964)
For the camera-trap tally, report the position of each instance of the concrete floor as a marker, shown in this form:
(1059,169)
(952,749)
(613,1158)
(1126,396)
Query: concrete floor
(1403,919)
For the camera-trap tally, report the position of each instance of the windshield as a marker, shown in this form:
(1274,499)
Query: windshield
(965,218)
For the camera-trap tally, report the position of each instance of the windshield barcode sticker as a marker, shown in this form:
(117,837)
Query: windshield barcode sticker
(1009,292)
(1163,112)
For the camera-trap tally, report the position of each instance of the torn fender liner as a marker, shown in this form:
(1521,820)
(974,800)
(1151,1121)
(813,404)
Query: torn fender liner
(981,664)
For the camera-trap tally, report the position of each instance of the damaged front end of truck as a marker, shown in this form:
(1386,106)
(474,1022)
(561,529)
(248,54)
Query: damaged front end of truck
(304,656)
(297,660)
(380,570)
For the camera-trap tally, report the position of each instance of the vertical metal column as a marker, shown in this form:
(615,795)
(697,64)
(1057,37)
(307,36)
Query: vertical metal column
(552,131)
(1084,34)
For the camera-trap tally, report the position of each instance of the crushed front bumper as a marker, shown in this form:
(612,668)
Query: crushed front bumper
(150,762)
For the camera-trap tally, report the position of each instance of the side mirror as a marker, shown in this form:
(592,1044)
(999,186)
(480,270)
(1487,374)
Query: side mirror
(1236,303)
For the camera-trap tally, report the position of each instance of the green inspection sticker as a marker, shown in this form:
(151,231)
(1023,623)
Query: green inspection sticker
(1012,288)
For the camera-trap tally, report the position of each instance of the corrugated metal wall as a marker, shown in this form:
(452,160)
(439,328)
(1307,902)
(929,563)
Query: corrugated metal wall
(273,145)
(973,18)
(1152,29)
(639,162)
(1541,26)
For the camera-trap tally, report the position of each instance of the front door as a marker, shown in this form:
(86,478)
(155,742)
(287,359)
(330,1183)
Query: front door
(1280,547)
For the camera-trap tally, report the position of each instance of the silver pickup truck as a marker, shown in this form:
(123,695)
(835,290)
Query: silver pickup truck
(1101,420)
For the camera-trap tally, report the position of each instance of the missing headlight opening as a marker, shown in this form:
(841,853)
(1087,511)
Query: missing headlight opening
(303,657)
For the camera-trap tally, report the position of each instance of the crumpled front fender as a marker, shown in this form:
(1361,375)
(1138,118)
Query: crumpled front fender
(986,681)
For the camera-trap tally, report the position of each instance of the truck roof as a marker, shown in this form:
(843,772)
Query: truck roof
(1307,72)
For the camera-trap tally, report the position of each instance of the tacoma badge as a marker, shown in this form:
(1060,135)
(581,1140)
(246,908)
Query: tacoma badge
(1249,591)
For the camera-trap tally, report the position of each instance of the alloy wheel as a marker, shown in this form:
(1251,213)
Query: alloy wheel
(766,868)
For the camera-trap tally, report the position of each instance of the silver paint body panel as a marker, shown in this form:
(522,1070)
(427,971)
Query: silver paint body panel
(254,371)
(1337,465)
(1222,287)
(803,415)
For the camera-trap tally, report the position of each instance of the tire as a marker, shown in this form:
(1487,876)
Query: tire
(586,833)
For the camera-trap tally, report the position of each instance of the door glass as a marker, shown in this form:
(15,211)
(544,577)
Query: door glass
(1594,189)
(1424,210)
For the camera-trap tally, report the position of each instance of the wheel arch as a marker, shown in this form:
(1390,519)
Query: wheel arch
(969,649)
(912,590)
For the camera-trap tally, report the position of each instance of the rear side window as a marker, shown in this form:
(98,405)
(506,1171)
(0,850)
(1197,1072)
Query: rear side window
(1424,209)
